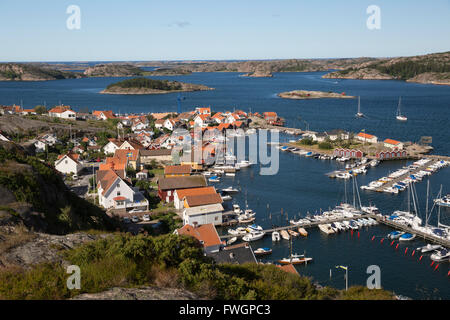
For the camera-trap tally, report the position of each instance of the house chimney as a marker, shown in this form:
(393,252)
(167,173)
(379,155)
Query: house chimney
(195,224)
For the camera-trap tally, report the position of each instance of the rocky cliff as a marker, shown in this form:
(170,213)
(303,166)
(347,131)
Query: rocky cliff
(30,72)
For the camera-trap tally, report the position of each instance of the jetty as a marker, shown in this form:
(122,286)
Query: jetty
(406,175)
(379,218)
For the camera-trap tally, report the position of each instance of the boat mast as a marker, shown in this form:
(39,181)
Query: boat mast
(399,104)
(426,206)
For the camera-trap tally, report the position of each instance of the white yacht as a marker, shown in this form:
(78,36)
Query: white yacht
(429,247)
(399,116)
(359,114)
(441,255)
(253,236)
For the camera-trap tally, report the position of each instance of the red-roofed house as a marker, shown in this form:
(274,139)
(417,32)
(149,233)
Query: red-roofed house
(63,112)
(202,120)
(200,110)
(68,164)
(365,137)
(390,143)
(206,234)
(103,115)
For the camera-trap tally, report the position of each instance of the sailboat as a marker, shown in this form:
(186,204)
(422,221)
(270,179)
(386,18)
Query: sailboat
(359,114)
(294,258)
(399,116)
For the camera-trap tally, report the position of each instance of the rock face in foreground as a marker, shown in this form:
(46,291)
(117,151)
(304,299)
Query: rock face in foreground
(303,94)
(144,293)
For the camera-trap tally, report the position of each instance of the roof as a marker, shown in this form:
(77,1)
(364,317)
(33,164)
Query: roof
(391,141)
(155,152)
(159,116)
(288,268)
(365,135)
(106,178)
(123,155)
(237,254)
(107,113)
(203,199)
(182,182)
(133,143)
(117,142)
(181,193)
(179,169)
(209,208)
(206,233)
(60,109)
(270,114)
(203,116)
(73,156)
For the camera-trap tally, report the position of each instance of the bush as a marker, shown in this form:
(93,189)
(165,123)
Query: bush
(326,145)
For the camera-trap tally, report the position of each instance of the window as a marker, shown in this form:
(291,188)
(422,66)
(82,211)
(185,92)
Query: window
(118,193)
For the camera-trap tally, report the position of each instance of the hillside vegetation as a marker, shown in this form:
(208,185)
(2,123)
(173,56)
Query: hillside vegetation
(167,261)
(431,68)
(30,72)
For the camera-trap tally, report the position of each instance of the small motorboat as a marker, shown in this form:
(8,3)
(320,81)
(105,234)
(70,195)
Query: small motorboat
(254,227)
(407,237)
(226,197)
(214,179)
(276,236)
(303,232)
(293,233)
(326,228)
(230,174)
(230,190)
(262,251)
(237,231)
(429,247)
(253,236)
(285,235)
(231,241)
(441,255)
(395,234)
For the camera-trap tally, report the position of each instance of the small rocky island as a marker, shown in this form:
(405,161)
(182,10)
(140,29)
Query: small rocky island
(303,94)
(151,86)
(258,74)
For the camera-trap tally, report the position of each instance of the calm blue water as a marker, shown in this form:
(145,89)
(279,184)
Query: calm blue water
(301,185)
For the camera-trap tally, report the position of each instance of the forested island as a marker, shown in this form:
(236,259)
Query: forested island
(151,86)
(432,68)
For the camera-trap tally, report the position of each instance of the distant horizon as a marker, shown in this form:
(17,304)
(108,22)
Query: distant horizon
(219,60)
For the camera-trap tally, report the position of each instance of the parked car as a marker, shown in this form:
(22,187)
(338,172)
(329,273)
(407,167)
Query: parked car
(135,219)
(126,220)
(146,217)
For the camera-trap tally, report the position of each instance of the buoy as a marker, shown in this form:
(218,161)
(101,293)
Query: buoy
(396,247)
(382,240)
(413,253)
(448,274)
(406,250)
(420,259)
(392,242)
(351,232)
(432,262)
(437,266)
(373,238)
(358,234)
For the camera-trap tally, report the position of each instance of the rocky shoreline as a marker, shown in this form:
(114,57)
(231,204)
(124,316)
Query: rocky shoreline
(304,94)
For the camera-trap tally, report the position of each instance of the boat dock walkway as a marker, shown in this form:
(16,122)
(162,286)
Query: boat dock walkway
(404,176)
(380,219)
(309,225)
(420,234)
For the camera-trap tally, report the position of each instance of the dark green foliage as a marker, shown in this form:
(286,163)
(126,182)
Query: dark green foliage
(148,84)
(408,69)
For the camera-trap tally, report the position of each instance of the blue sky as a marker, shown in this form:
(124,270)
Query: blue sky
(195,30)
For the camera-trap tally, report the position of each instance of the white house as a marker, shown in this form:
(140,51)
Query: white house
(139,125)
(39,146)
(63,112)
(365,137)
(169,124)
(68,164)
(202,120)
(211,213)
(390,143)
(113,192)
(112,146)
(49,138)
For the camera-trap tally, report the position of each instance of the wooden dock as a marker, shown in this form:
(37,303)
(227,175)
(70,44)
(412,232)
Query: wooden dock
(420,234)
(404,176)
(380,219)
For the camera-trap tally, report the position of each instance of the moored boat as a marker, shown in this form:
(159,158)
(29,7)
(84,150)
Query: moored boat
(253,236)
(285,235)
(303,232)
(407,237)
(276,236)
(231,241)
(262,251)
(295,259)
